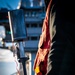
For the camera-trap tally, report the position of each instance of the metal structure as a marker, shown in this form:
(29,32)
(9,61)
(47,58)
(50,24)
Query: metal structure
(18,32)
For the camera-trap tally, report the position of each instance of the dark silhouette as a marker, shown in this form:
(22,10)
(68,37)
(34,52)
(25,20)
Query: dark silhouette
(62,34)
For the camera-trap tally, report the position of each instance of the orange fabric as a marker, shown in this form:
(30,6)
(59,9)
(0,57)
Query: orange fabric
(43,47)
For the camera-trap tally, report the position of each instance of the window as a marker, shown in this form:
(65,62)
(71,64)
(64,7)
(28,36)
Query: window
(34,25)
(27,25)
(40,25)
(34,38)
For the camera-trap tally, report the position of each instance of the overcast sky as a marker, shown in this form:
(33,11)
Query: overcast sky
(9,4)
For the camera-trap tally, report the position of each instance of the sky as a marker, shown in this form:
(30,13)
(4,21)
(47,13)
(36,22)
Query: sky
(9,4)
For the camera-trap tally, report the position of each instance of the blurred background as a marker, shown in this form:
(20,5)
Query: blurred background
(34,13)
